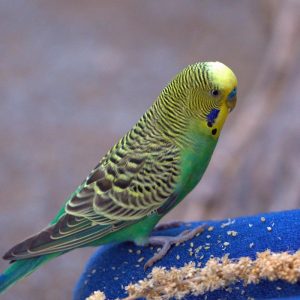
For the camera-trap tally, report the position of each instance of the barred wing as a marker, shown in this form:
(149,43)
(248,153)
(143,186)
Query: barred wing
(121,190)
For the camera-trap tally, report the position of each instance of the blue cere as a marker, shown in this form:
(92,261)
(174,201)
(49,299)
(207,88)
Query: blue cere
(232,94)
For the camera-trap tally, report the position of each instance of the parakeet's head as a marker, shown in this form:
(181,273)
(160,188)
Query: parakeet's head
(201,96)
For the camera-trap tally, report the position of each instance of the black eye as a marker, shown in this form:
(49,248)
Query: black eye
(215,93)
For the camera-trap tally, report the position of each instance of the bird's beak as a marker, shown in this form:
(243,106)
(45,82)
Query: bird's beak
(231,104)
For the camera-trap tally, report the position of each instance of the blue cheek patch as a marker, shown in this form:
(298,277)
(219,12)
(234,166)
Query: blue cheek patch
(211,117)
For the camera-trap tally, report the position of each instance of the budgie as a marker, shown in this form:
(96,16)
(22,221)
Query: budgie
(142,177)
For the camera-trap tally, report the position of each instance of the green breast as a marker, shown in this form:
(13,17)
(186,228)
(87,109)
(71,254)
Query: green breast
(194,161)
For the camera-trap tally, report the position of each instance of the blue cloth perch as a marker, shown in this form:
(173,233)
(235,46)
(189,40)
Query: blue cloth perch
(113,267)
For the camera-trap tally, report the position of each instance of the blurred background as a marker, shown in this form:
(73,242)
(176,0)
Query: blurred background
(76,75)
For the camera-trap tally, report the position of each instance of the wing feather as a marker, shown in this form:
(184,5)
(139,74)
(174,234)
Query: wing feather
(123,188)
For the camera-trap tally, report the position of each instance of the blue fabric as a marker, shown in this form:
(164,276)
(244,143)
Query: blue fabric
(115,266)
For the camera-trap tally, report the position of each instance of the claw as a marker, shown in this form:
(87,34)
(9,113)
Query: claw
(166,243)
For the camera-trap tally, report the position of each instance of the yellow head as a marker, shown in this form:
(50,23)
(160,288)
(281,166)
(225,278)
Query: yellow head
(200,98)
(223,97)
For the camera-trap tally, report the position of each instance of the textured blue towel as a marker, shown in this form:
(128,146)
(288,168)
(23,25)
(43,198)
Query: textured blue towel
(115,266)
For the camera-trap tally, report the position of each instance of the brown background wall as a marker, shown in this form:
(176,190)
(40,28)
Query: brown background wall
(76,75)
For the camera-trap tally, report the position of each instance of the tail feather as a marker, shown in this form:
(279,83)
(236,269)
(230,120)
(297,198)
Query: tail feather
(21,268)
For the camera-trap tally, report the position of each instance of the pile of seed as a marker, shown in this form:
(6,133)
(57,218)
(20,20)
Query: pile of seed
(216,274)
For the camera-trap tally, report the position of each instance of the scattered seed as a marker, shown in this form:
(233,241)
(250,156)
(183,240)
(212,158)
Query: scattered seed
(251,245)
(138,252)
(226,244)
(269,228)
(177,257)
(210,228)
(130,250)
(232,233)
(116,278)
(141,259)
(263,219)
(250,225)
(198,249)
(208,236)
(229,222)
(192,244)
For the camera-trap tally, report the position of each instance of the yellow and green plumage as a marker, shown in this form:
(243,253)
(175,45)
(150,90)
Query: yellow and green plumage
(147,173)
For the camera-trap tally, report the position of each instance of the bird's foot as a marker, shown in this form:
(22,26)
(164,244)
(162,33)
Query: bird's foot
(166,243)
(168,225)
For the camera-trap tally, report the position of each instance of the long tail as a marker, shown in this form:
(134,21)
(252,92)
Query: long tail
(22,268)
